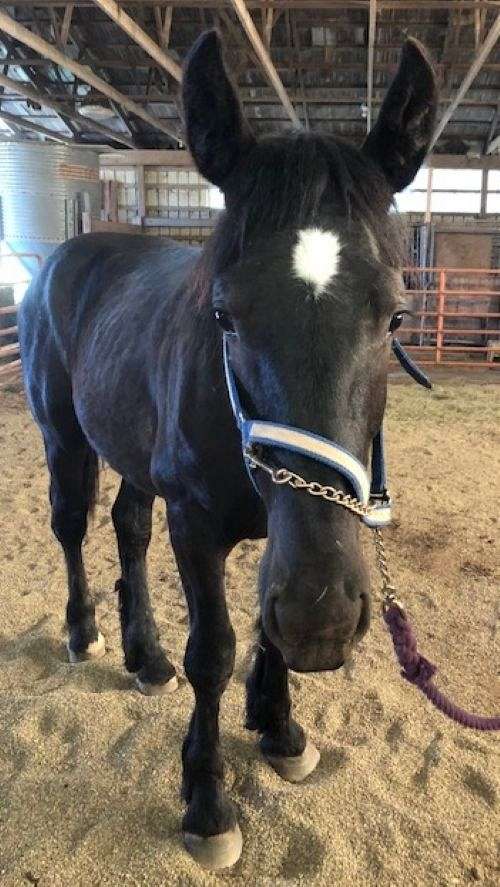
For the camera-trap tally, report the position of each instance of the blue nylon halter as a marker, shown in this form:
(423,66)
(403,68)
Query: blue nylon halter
(257,432)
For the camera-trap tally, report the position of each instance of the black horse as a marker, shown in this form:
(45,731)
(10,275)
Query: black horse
(121,346)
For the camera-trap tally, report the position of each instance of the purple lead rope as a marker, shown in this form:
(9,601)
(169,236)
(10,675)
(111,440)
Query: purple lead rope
(419,671)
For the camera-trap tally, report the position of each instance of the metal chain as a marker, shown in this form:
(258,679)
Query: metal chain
(282,477)
(388,588)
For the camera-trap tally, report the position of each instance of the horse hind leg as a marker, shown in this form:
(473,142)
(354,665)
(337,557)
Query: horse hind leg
(73,482)
(143,654)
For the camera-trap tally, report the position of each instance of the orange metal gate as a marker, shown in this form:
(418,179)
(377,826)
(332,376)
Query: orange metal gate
(455,317)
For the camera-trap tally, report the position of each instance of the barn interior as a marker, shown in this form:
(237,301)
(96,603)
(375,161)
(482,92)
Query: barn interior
(90,114)
(92,139)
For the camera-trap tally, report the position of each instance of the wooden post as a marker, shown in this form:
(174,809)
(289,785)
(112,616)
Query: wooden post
(428,201)
(484,190)
(141,193)
(441,299)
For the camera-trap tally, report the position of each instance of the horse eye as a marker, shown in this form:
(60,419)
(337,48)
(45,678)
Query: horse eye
(396,321)
(224,321)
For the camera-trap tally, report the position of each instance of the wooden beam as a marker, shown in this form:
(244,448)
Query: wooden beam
(437,5)
(372,27)
(163,25)
(477,63)
(268,26)
(461,161)
(492,130)
(39,81)
(264,95)
(148,157)
(83,72)
(264,58)
(493,146)
(66,24)
(312,63)
(127,24)
(241,47)
(296,46)
(34,95)
(26,123)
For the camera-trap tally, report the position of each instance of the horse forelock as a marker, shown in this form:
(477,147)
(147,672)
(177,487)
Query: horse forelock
(303,183)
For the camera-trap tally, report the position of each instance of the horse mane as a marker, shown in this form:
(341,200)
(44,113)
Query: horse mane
(290,182)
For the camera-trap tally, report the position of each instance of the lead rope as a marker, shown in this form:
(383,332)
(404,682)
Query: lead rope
(416,669)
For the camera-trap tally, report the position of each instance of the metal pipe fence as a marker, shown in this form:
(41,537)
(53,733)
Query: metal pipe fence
(455,316)
(454,322)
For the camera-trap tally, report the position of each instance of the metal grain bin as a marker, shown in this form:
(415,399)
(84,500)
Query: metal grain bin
(43,190)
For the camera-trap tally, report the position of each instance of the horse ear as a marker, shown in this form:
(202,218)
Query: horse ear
(402,134)
(217,133)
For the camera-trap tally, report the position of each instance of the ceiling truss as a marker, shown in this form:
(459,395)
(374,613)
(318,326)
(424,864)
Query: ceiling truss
(322,66)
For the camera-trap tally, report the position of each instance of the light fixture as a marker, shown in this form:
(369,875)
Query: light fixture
(95,111)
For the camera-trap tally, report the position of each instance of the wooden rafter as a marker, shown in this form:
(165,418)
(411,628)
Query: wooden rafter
(267,26)
(38,80)
(479,58)
(66,23)
(372,30)
(296,46)
(139,36)
(437,5)
(490,138)
(341,70)
(36,96)
(264,58)
(263,95)
(83,72)
(61,28)
(163,21)
(29,123)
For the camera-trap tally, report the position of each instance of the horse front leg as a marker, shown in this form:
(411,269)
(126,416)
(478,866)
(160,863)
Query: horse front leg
(283,742)
(211,832)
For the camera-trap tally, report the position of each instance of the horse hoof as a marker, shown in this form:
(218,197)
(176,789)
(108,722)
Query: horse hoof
(297,768)
(95,650)
(156,689)
(216,852)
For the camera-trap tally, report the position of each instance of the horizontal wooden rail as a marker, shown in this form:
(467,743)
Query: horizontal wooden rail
(8,309)
(427,270)
(12,368)
(8,350)
(463,364)
(451,332)
(464,293)
(8,331)
(488,314)
(473,349)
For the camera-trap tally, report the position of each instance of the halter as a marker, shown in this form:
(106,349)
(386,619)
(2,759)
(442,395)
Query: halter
(372,501)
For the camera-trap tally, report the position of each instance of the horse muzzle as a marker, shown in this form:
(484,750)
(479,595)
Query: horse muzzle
(316,641)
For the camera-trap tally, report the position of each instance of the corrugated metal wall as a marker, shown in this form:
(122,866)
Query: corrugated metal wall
(43,190)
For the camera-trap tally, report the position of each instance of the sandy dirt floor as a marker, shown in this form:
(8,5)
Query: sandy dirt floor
(90,770)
